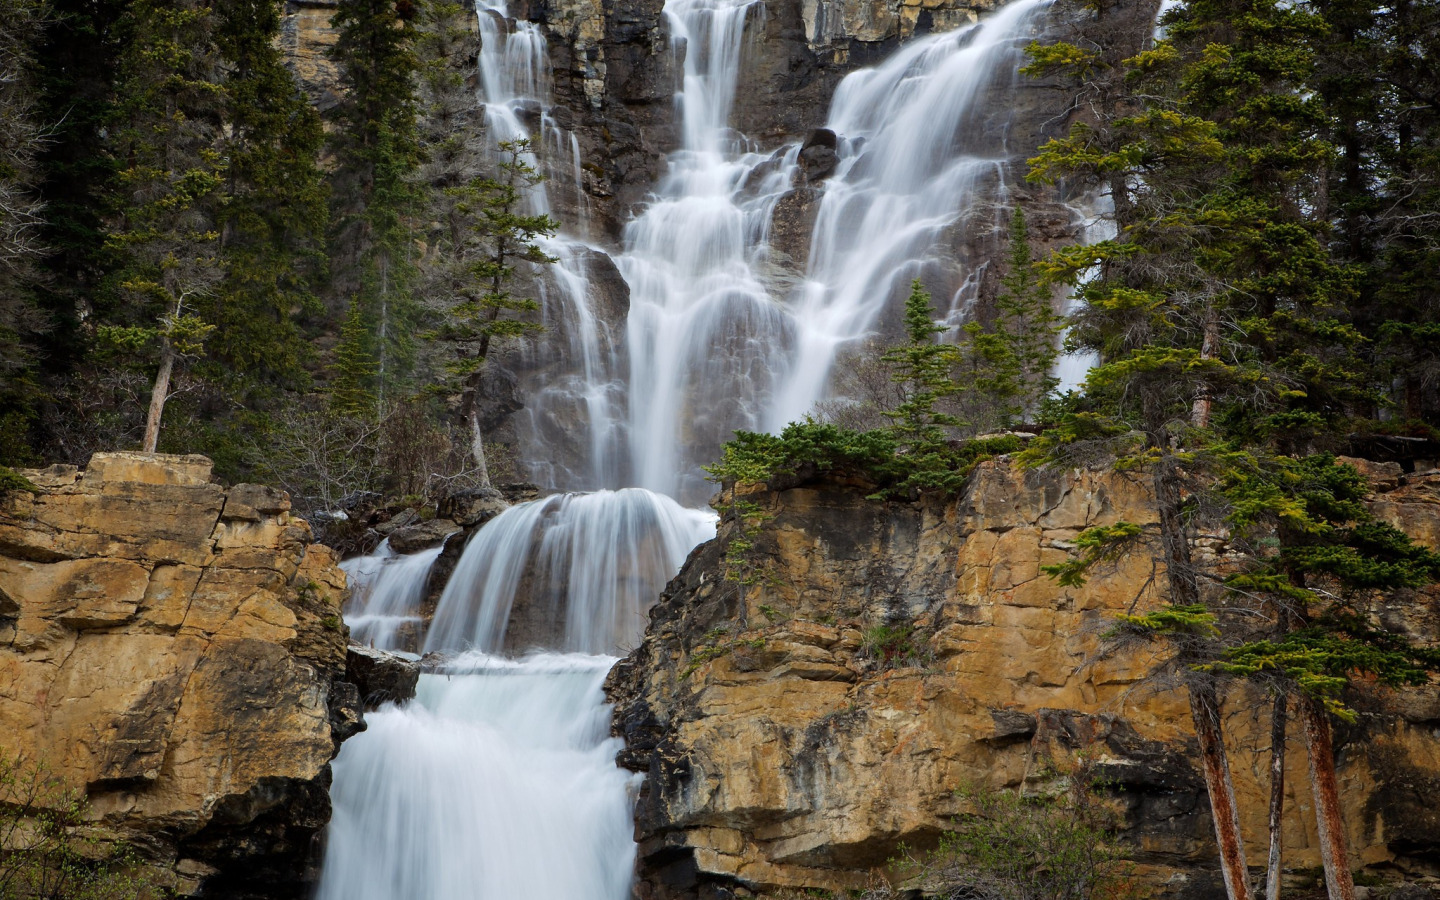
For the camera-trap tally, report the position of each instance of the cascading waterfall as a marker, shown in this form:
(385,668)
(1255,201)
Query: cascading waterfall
(587,565)
(499,780)
(385,593)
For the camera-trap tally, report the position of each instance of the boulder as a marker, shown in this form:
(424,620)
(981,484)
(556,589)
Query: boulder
(381,676)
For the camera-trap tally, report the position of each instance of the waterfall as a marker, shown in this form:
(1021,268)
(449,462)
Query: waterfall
(496,783)
(499,780)
(587,566)
(385,593)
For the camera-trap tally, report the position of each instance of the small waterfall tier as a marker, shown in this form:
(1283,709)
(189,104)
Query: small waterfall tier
(573,572)
(385,593)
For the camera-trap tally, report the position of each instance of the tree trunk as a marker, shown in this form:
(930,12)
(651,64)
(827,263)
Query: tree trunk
(158,395)
(1339,884)
(1209,349)
(1205,711)
(1278,723)
(477,446)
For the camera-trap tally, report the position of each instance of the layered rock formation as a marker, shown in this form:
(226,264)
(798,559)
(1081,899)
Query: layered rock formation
(803,708)
(175,649)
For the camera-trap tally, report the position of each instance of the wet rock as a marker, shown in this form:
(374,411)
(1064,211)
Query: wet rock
(381,676)
(472,507)
(422,535)
(818,156)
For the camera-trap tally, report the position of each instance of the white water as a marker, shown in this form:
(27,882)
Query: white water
(588,564)
(385,593)
(499,782)
(496,784)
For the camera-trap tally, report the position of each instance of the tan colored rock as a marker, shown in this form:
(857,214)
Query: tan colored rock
(176,650)
(769,769)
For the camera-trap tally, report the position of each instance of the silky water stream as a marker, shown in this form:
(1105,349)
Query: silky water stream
(499,782)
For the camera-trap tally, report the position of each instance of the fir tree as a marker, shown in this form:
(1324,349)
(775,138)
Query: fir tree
(374,189)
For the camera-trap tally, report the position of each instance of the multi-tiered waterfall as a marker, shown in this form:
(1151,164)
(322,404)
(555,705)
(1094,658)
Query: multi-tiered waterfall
(498,781)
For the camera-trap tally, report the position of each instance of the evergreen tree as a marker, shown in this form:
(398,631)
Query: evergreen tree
(165,235)
(923,368)
(488,231)
(272,224)
(374,189)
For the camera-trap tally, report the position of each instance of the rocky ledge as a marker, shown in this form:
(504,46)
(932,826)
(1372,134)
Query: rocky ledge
(175,649)
(804,707)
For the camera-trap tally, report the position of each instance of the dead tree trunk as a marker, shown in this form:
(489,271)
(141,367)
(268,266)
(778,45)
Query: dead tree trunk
(1278,723)
(477,445)
(1334,854)
(158,395)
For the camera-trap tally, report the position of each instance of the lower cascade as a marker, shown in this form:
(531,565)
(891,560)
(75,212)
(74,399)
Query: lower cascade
(498,780)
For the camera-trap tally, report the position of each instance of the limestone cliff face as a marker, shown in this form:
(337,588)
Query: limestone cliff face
(176,649)
(784,749)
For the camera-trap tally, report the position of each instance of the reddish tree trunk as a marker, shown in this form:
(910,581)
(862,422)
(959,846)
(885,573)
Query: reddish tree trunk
(1334,854)
(1205,711)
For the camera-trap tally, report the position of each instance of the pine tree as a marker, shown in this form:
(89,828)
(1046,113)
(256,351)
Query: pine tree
(272,225)
(166,235)
(923,367)
(488,232)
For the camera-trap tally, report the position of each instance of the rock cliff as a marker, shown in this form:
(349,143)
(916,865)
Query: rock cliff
(803,717)
(175,649)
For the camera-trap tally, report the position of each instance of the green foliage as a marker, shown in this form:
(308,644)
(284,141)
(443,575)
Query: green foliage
(816,448)
(1100,544)
(46,854)
(1015,846)
(489,233)
(11,481)
(1194,620)
(375,193)
(893,646)
(922,367)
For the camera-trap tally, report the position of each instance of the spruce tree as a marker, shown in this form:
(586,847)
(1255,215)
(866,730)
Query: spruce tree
(272,225)
(373,186)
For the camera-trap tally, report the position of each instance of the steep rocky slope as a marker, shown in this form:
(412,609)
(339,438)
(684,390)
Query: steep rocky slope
(175,649)
(788,743)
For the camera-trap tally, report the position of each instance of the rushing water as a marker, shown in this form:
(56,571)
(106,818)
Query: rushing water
(498,782)
(385,593)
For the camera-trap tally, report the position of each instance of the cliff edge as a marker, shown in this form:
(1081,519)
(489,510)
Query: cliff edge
(819,681)
(175,649)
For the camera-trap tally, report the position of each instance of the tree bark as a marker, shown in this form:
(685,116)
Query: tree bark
(158,395)
(1209,349)
(477,445)
(1334,854)
(1205,711)
(1278,722)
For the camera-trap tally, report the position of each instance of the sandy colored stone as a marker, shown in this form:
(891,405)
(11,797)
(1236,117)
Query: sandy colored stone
(183,666)
(767,772)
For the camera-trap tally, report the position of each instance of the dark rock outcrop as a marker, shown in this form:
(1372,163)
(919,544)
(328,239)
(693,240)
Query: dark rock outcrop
(381,676)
